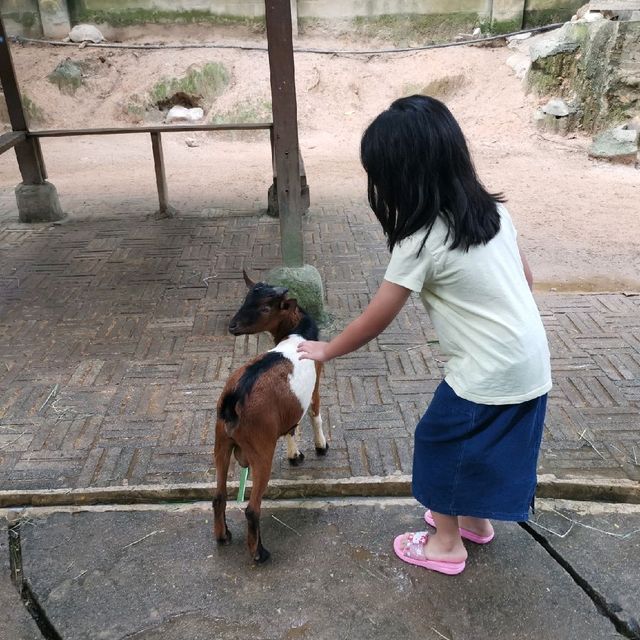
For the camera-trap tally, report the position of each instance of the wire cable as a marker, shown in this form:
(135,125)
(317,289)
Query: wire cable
(248,47)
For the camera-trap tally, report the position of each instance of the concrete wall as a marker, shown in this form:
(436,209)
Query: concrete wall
(244,8)
(21,17)
(327,9)
(38,17)
(538,12)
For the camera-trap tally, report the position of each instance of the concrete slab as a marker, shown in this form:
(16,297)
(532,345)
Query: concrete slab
(601,543)
(157,573)
(16,624)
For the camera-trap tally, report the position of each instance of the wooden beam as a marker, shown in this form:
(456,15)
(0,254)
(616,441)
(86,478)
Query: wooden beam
(28,151)
(285,129)
(169,128)
(11,139)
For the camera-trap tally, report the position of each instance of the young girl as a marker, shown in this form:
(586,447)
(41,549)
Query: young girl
(453,243)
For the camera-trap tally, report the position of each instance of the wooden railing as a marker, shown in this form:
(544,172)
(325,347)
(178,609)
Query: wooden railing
(11,139)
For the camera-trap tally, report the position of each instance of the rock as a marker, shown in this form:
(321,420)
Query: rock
(593,16)
(85,33)
(182,114)
(67,76)
(562,40)
(557,107)
(520,64)
(619,144)
(191,142)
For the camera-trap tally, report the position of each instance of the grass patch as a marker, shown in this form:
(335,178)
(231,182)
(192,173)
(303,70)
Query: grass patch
(206,83)
(440,88)
(33,113)
(245,112)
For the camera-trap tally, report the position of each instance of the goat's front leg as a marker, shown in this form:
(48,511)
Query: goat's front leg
(223,448)
(260,470)
(321,443)
(294,455)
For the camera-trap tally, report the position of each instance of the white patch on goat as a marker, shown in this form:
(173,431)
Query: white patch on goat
(303,378)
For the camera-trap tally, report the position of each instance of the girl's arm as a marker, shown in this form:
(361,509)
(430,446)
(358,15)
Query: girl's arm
(383,308)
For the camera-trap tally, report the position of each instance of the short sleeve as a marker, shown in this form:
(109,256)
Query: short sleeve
(505,220)
(408,269)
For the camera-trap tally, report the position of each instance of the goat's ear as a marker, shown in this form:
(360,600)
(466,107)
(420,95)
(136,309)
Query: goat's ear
(247,280)
(289,305)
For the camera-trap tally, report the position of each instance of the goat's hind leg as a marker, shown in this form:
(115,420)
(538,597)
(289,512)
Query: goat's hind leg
(260,471)
(223,448)
(322,446)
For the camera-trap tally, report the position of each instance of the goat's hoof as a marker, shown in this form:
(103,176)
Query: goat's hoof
(322,451)
(262,555)
(297,460)
(225,539)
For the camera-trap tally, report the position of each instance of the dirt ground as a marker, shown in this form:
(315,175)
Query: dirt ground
(578,220)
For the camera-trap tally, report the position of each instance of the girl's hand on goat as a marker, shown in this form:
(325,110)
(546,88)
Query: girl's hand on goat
(312,350)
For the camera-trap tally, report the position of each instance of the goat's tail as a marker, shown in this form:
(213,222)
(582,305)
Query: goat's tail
(227,411)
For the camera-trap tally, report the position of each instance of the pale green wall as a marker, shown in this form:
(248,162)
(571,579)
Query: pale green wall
(23,18)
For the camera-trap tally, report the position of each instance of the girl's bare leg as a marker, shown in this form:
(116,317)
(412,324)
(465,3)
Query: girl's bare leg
(481,526)
(446,543)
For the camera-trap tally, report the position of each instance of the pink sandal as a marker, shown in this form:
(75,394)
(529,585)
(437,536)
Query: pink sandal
(464,533)
(402,547)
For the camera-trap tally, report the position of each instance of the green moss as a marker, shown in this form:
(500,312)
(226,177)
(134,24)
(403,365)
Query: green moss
(208,83)
(498,27)
(129,17)
(30,20)
(305,285)
(541,17)
(553,74)
(416,28)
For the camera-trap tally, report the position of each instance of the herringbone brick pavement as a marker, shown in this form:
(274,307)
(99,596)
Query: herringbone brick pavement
(114,348)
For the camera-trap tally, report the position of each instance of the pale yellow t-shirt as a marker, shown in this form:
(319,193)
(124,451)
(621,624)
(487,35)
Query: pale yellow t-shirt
(483,312)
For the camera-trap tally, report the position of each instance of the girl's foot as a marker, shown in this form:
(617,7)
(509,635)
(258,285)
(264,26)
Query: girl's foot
(478,530)
(427,551)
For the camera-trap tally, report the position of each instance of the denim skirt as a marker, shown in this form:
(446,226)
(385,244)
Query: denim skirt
(478,460)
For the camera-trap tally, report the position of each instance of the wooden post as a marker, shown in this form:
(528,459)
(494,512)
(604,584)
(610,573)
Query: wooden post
(161,176)
(285,129)
(28,152)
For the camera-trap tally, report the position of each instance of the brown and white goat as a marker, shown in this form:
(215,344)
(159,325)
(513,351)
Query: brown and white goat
(264,400)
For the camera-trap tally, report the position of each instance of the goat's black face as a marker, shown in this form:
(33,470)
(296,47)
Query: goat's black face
(262,304)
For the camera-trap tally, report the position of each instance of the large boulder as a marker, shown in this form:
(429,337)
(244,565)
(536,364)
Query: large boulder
(619,144)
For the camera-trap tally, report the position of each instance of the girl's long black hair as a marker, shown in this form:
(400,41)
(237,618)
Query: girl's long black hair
(418,168)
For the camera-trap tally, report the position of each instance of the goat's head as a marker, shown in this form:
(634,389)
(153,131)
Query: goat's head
(262,310)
